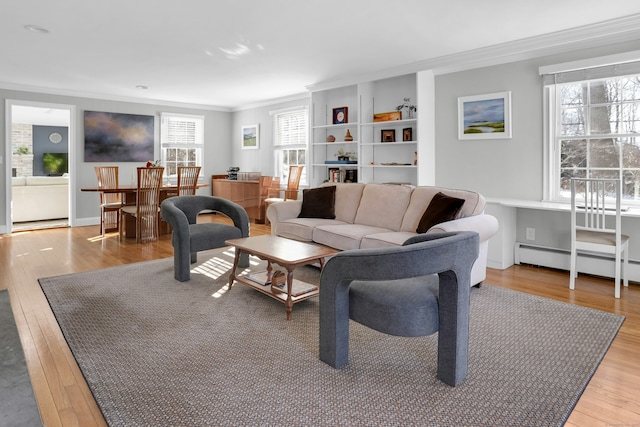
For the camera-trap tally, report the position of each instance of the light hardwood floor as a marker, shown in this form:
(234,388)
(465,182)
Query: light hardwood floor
(63,396)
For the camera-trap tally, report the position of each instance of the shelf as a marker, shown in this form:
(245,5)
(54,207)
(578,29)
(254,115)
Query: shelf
(389,143)
(336,165)
(392,123)
(335,142)
(388,166)
(338,126)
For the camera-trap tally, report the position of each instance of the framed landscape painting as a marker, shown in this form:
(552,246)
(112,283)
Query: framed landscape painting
(250,137)
(484,116)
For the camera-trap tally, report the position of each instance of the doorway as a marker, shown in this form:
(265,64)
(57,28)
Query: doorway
(40,165)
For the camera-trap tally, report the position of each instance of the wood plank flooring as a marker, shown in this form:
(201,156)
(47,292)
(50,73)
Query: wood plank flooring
(64,398)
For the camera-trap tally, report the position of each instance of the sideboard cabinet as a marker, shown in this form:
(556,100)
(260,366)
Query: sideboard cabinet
(244,193)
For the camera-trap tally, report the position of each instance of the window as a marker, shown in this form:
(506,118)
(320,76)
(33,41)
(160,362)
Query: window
(182,141)
(290,141)
(594,129)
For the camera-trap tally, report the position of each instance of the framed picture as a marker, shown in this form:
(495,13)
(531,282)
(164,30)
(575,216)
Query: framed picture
(407,134)
(388,135)
(250,137)
(484,116)
(340,115)
(118,137)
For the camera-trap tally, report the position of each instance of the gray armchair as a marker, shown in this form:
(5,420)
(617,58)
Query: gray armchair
(188,237)
(396,291)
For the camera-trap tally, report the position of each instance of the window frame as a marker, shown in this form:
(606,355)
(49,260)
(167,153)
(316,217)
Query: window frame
(552,113)
(197,145)
(279,148)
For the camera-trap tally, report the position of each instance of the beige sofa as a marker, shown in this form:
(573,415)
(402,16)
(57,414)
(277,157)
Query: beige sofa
(37,198)
(382,215)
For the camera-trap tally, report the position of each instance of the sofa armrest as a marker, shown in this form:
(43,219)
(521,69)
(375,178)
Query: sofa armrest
(485,225)
(282,211)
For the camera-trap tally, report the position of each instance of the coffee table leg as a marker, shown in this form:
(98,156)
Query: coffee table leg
(289,302)
(232,276)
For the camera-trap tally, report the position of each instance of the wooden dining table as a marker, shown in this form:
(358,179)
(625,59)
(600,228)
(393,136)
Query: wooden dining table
(129,198)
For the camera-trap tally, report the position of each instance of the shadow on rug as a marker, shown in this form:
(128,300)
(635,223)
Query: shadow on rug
(155,351)
(18,405)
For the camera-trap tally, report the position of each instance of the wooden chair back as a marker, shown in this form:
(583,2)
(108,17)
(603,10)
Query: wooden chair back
(148,203)
(188,180)
(110,203)
(293,183)
(108,179)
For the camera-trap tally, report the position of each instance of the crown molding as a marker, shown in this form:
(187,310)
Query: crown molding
(303,96)
(589,36)
(106,97)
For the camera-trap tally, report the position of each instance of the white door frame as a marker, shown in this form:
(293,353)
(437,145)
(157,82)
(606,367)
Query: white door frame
(9,104)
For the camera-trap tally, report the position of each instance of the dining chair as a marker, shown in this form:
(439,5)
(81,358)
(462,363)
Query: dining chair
(147,208)
(591,203)
(269,188)
(291,192)
(110,203)
(188,180)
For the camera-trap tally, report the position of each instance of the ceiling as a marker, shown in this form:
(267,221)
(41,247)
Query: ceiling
(233,54)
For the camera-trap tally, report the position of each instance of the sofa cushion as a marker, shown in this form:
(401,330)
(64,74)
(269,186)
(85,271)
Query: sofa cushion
(318,203)
(348,197)
(385,240)
(18,181)
(47,180)
(421,197)
(441,208)
(383,205)
(344,236)
(302,228)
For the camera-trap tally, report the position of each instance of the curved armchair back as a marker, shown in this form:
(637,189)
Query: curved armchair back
(189,237)
(355,284)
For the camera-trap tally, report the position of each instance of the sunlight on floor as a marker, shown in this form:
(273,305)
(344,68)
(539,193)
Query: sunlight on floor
(216,267)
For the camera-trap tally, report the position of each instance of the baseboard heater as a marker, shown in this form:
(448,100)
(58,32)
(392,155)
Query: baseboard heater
(595,264)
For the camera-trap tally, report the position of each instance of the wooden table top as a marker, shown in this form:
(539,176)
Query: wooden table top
(282,250)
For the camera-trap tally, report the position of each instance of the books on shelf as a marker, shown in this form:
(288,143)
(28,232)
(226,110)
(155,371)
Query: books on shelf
(342,175)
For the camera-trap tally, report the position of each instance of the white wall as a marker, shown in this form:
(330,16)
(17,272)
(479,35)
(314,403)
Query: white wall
(509,168)
(216,157)
(260,160)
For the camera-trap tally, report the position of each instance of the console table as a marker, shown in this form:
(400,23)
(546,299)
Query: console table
(244,193)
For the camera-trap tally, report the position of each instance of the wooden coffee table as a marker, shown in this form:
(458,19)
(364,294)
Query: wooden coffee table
(286,253)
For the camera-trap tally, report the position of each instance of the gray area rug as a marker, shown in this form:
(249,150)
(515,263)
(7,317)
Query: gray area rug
(159,352)
(18,405)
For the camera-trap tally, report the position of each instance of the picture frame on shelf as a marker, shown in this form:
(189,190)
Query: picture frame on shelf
(340,115)
(407,134)
(388,135)
(251,137)
(484,116)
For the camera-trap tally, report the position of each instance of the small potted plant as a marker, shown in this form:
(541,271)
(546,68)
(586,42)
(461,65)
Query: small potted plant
(407,108)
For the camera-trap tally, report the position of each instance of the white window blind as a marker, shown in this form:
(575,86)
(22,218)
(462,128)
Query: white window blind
(291,128)
(290,141)
(181,141)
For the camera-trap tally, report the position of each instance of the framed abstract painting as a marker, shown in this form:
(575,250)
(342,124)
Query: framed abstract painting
(117,137)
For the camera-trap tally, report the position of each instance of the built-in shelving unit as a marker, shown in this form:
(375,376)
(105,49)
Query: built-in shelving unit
(384,151)
(323,151)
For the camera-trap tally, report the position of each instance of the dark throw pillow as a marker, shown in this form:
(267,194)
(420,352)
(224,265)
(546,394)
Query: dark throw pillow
(319,203)
(442,208)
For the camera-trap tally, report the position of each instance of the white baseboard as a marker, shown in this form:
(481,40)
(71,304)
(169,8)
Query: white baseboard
(596,264)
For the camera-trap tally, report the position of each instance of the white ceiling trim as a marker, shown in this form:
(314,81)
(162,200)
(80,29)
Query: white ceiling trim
(147,101)
(601,34)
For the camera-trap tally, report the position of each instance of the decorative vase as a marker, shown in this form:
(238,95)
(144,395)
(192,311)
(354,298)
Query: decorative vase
(348,136)
(331,138)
